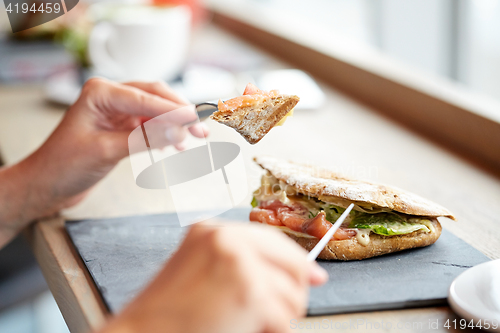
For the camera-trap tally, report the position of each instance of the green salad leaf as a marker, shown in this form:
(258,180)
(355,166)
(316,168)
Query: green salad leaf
(254,202)
(332,213)
(386,224)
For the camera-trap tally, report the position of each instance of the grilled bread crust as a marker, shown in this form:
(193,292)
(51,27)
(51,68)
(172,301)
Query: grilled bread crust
(330,186)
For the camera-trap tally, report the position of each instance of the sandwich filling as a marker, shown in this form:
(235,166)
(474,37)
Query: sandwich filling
(278,204)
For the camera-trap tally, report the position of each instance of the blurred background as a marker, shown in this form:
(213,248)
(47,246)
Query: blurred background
(457,40)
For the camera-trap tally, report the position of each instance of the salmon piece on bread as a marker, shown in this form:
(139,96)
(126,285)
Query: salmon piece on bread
(255,113)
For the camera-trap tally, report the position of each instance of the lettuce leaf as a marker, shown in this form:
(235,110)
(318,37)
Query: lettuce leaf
(254,202)
(332,213)
(386,224)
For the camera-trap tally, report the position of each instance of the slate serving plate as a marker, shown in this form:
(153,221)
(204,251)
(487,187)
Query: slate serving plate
(123,255)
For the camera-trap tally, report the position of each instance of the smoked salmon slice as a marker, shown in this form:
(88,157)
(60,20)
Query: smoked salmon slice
(251,96)
(296,218)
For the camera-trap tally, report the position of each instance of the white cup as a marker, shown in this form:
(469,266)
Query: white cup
(136,42)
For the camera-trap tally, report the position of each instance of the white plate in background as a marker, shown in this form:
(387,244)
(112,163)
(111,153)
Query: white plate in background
(206,83)
(475,295)
(199,84)
(62,88)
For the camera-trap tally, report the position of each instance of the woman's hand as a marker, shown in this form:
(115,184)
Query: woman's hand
(226,278)
(87,144)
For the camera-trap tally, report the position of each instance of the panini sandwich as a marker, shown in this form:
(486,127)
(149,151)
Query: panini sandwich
(304,202)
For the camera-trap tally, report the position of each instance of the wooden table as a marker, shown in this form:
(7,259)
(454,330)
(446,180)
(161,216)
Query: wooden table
(343,134)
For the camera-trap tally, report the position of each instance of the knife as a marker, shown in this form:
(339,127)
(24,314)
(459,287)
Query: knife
(311,256)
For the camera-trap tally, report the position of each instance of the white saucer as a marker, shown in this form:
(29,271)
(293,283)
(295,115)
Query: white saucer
(475,295)
(62,88)
(199,84)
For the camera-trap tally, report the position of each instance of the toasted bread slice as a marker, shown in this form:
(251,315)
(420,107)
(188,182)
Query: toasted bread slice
(352,249)
(253,122)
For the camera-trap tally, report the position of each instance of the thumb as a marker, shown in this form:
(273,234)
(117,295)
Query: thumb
(175,136)
(317,274)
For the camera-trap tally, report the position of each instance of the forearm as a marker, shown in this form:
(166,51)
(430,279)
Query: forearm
(20,199)
(87,144)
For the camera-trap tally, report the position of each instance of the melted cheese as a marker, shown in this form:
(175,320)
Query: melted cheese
(282,121)
(428,224)
(295,233)
(363,236)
